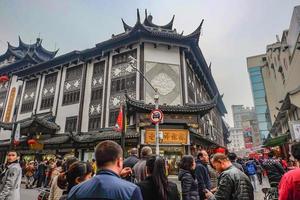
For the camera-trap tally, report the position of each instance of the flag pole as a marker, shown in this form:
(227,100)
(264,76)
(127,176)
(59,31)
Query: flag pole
(123,129)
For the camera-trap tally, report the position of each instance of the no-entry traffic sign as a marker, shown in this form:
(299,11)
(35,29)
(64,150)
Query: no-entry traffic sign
(156,116)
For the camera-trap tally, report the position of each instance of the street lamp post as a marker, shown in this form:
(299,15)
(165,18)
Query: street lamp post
(132,60)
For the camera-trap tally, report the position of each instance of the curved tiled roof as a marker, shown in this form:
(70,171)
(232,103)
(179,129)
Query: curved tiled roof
(188,108)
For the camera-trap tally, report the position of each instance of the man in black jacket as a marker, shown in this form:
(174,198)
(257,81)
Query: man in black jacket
(232,183)
(274,169)
(131,160)
(202,173)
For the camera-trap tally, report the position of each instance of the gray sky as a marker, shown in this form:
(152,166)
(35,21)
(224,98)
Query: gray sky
(232,30)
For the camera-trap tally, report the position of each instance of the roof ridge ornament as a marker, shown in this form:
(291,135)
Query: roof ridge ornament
(138,16)
(126,26)
(196,33)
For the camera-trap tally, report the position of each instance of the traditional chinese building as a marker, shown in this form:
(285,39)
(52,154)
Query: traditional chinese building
(71,101)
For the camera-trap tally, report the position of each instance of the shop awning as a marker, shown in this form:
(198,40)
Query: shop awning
(276,141)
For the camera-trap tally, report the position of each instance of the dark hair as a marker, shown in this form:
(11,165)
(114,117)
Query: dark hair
(68,162)
(296,151)
(13,151)
(219,156)
(199,155)
(146,152)
(232,156)
(58,163)
(271,154)
(186,162)
(157,169)
(107,151)
(68,179)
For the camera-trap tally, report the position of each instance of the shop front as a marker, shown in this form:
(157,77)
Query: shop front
(173,145)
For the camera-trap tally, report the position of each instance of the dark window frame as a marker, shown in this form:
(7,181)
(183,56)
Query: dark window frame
(94,122)
(113,115)
(71,124)
(47,102)
(71,97)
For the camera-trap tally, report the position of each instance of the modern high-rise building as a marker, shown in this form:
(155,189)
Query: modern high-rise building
(279,69)
(255,65)
(244,118)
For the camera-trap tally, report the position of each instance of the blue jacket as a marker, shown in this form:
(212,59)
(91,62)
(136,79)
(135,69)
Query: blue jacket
(202,175)
(106,185)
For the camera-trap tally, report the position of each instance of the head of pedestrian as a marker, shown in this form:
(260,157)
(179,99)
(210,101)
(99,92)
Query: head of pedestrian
(109,155)
(188,163)
(146,152)
(133,152)
(203,156)
(156,168)
(77,173)
(220,162)
(271,154)
(296,151)
(232,156)
(12,156)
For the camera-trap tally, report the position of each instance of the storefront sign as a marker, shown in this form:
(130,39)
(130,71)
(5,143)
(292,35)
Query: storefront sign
(170,136)
(10,105)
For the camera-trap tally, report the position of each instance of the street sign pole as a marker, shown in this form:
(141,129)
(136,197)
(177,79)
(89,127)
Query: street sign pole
(156,97)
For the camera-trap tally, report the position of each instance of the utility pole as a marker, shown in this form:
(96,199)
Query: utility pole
(132,60)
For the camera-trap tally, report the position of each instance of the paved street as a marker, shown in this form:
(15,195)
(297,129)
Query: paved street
(29,194)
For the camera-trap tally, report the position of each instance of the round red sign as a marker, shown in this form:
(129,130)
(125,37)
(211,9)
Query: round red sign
(156,116)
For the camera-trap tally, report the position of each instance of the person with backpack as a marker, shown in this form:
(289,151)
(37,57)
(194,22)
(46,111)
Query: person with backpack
(251,172)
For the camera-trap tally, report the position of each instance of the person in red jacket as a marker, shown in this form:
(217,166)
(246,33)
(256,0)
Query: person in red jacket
(289,186)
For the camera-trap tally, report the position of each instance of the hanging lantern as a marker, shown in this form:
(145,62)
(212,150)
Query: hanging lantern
(31,142)
(4,79)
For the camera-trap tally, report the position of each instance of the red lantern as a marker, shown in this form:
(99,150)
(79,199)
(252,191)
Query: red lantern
(4,79)
(31,141)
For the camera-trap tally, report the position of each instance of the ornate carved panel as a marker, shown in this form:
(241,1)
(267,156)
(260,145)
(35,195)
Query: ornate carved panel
(166,78)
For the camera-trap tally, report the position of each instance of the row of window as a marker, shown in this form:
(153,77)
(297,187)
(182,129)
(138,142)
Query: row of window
(47,102)
(98,69)
(96,95)
(27,107)
(123,57)
(71,97)
(120,84)
(74,73)
(94,123)
(50,79)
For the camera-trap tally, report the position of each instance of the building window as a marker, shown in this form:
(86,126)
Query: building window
(71,124)
(71,97)
(29,96)
(98,69)
(27,107)
(123,57)
(96,95)
(120,84)
(47,102)
(73,73)
(50,79)
(94,122)
(32,84)
(113,115)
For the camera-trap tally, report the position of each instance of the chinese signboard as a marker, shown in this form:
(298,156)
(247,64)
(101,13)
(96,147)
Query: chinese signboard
(10,105)
(170,136)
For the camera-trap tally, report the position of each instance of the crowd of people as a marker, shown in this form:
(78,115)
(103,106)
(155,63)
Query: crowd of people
(217,176)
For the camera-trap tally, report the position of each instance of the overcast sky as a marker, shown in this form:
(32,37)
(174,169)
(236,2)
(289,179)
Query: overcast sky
(232,30)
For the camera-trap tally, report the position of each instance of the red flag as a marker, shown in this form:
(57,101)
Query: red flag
(119,123)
